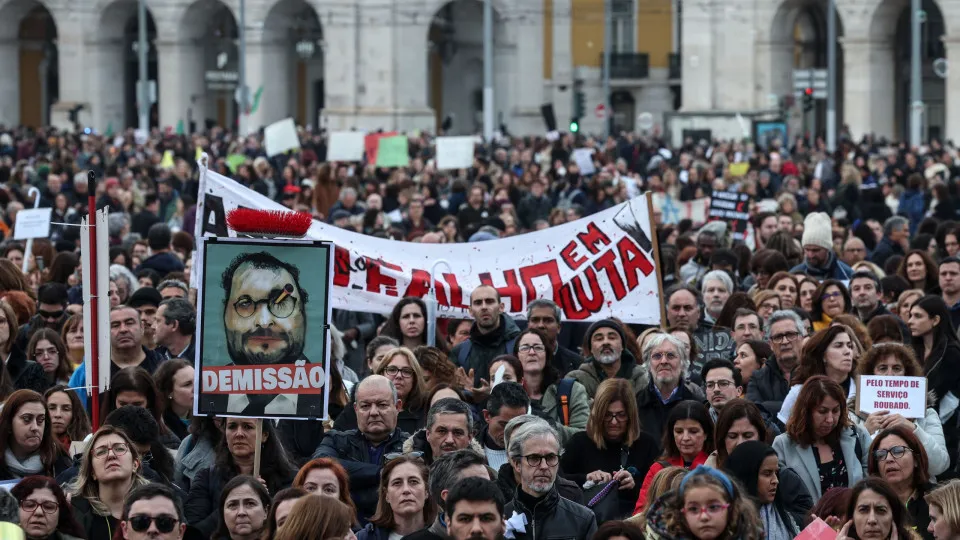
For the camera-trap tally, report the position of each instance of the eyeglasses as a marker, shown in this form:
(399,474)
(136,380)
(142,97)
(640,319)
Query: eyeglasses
(394,370)
(397,455)
(165,523)
(534,348)
(30,505)
(39,353)
(618,416)
(710,509)
(659,356)
(897,452)
(786,337)
(723,383)
(118,449)
(534,460)
(828,296)
(50,314)
(279,304)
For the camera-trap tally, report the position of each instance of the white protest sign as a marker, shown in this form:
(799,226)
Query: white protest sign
(593,268)
(345,146)
(455,152)
(583,157)
(281,136)
(32,223)
(906,396)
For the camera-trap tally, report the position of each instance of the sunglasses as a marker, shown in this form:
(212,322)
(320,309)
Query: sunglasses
(50,314)
(395,455)
(165,523)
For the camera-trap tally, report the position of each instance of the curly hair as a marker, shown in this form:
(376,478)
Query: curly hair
(434,360)
(743,520)
(882,351)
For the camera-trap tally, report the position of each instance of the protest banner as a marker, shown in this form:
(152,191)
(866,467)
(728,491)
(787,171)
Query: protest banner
(371,143)
(263,328)
(345,146)
(32,223)
(600,266)
(455,152)
(673,210)
(734,208)
(906,396)
(393,152)
(280,137)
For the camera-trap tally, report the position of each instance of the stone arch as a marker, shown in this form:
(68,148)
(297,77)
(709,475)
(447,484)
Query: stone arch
(29,57)
(291,68)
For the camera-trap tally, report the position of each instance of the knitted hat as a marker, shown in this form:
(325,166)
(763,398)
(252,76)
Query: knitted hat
(818,231)
(606,323)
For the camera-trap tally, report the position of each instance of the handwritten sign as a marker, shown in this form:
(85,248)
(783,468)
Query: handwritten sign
(734,208)
(906,396)
(32,223)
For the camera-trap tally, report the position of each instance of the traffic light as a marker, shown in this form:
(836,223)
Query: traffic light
(808,99)
(579,104)
(574,125)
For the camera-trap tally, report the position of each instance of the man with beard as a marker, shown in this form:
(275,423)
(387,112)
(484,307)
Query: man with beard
(475,509)
(669,365)
(265,321)
(608,358)
(819,260)
(534,453)
(866,294)
(770,384)
(766,225)
(492,334)
(716,289)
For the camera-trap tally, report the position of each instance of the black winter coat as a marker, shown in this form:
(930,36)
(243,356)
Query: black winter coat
(653,412)
(552,516)
(768,387)
(568,489)
(26,374)
(202,507)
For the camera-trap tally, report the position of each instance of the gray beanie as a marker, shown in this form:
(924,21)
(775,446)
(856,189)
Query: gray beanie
(818,231)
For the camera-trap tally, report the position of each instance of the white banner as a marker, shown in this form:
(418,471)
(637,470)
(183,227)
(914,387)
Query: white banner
(596,267)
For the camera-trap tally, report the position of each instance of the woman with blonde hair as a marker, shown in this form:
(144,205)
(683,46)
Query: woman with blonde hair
(110,469)
(613,447)
(313,518)
(667,479)
(944,508)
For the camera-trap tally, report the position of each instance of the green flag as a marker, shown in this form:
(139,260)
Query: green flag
(256,100)
(109,132)
(393,152)
(180,130)
(234,161)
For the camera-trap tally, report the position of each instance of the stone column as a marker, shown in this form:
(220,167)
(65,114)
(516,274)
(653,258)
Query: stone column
(106,62)
(181,83)
(868,86)
(562,62)
(341,67)
(953,89)
(10,84)
(773,68)
(527,66)
(698,62)
(269,65)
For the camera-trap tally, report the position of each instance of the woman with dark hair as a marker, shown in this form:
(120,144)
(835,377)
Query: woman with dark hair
(832,352)
(829,300)
(820,444)
(436,367)
(786,287)
(63,266)
(313,519)
(756,465)
(175,383)
(618,530)
(512,369)
(728,315)
(874,511)
(235,458)
(68,418)
(806,290)
(242,509)
(740,420)
(135,386)
(687,442)
(541,379)
(197,451)
(18,372)
(47,349)
(72,336)
(408,323)
(885,329)
(751,356)
(27,443)
(404,506)
(376,348)
(283,502)
(45,513)
(897,457)
(920,271)
(443,390)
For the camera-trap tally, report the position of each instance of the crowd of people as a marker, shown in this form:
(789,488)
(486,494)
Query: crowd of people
(736,418)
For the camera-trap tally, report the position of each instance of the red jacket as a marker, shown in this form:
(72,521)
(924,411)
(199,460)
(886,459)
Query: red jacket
(659,466)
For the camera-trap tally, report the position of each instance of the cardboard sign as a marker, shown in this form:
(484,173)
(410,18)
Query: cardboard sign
(281,136)
(345,146)
(583,157)
(32,223)
(817,530)
(393,152)
(906,396)
(734,208)
(455,152)
(371,144)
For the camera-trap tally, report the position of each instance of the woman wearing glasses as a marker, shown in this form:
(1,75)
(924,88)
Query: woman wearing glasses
(234,457)
(402,368)
(45,513)
(613,447)
(404,506)
(829,300)
(26,439)
(47,349)
(897,457)
(108,472)
(541,381)
(832,352)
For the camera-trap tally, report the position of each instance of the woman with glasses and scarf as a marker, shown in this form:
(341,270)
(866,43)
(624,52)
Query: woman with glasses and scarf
(109,471)
(404,506)
(45,513)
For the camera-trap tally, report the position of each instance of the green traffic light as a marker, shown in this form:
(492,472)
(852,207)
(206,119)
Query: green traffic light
(574,127)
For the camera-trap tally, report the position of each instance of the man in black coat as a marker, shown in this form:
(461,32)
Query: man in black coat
(445,472)
(771,383)
(669,365)
(545,315)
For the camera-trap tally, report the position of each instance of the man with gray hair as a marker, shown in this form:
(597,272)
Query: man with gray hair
(545,315)
(895,241)
(770,384)
(508,479)
(716,287)
(445,472)
(669,363)
(173,288)
(534,453)
(176,323)
(449,428)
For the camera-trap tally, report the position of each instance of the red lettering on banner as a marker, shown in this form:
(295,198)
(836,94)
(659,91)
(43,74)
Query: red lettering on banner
(595,301)
(376,280)
(511,291)
(607,263)
(420,285)
(633,260)
(546,268)
(570,256)
(592,237)
(456,291)
(341,267)
(571,311)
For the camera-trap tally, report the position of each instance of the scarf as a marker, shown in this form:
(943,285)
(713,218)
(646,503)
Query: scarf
(774,526)
(30,466)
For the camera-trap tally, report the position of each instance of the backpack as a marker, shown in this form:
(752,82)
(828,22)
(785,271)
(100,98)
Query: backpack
(564,391)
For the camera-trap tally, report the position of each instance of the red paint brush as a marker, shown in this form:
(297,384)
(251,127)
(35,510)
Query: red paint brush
(269,223)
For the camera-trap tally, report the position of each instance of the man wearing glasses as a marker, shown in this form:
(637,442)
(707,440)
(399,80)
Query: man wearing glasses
(769,385)
(668,360)
(265,322)
(534,453)
(152,511)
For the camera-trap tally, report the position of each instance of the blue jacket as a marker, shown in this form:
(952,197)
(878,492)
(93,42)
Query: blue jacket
(834,269)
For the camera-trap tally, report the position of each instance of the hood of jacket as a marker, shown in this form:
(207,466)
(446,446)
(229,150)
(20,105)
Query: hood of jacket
(506,331)
(418,443)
